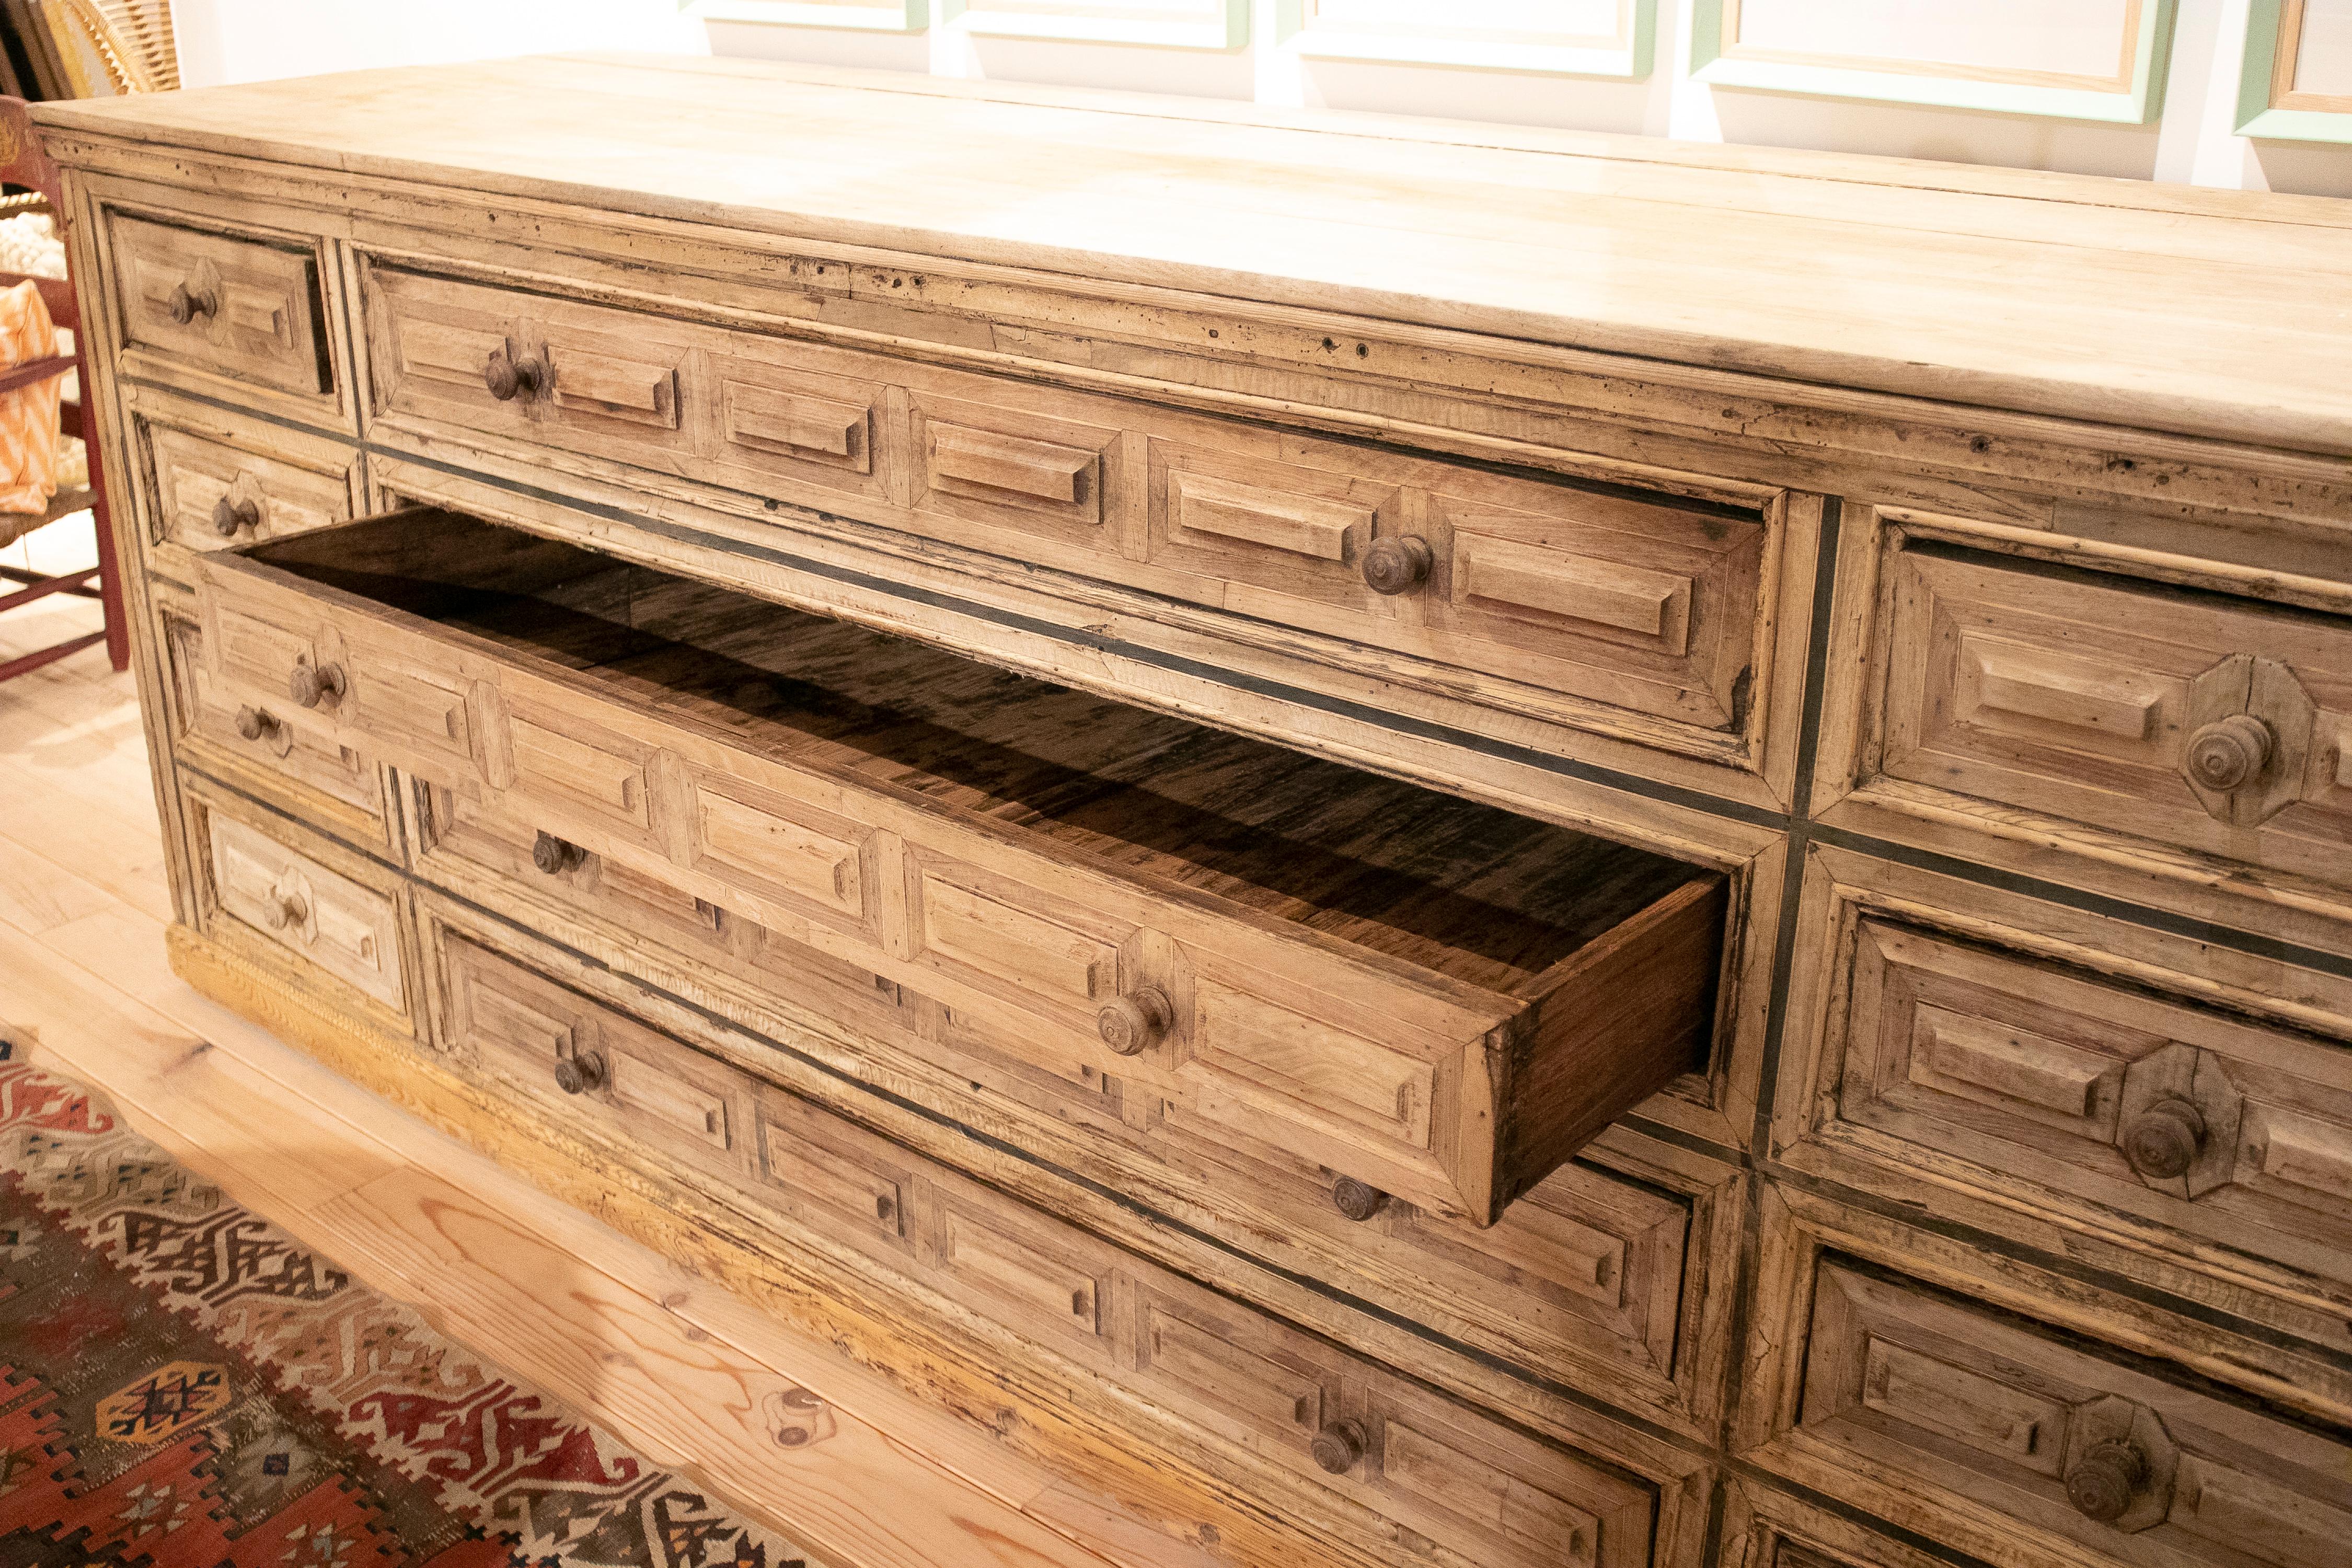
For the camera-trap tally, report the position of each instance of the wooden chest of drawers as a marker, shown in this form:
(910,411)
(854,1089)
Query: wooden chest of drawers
(1422,847)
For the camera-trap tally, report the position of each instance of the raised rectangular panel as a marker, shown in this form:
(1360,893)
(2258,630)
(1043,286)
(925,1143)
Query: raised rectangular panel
(1036,1274)
(1302,526)
(1276,1396)
(2100,701)
(344,928)
(1979,1410)
(811,428)
(1325,1070)
(250,308)
(774,847)
(990,930)
(2037,1073)
(209,494)
(1510,578)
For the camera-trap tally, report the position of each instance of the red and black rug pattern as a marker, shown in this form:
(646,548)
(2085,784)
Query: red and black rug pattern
(182,1385)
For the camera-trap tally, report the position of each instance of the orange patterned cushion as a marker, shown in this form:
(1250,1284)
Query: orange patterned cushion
(28,415)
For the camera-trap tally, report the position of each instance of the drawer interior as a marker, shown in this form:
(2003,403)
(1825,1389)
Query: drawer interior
(1477,895)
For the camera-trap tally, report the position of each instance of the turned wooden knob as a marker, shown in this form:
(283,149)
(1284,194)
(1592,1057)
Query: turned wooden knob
(186,304)
(553,855)
(2103,1482)
(2164,1139)
(2229,753)
(579,1072)
(1135,1020)
(286,910)
(311,686)
(509,376)
(1397,565)
(1338,1447)
(1358,1200)
(228,516)
(254,723)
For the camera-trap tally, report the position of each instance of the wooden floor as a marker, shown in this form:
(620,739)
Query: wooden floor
(682,1370)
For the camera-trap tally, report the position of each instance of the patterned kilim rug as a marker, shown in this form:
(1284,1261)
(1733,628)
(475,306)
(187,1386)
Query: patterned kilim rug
(181,1386)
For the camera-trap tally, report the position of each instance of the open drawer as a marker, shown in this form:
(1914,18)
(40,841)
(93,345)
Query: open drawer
(1429,997)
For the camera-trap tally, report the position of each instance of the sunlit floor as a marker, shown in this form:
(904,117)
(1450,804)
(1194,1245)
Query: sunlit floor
(675,1365)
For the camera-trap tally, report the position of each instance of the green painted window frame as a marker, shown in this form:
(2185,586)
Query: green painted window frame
(1227,31)
(2265,37)
(901,17)
(1632,63)
(2139,104)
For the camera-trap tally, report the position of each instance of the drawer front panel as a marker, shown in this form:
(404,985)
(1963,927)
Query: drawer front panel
(1412,567)
(1996,1415)
(1588,1264)
(1370,1066)
(343,927)
(208,495)
(208,726)
(1466,1482)
(570,375)
(561,1048)
(2216,724)
(249,308)
(2221,1129)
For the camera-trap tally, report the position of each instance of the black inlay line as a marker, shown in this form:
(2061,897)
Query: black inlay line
(1915,1217)
(1340,706)
(1927,1546)
(1799,820)
(1665,1133)
(2191,926)
(1473,1354)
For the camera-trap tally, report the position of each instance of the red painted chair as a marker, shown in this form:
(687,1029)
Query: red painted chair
(23,163)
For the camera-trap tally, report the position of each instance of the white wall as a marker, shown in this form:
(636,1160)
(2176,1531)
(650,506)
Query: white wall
(239,40)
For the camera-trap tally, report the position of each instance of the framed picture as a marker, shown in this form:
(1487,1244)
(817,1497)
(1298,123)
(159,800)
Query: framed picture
(1176,23)
(2297,84)
(1573,37)
(2076,60)
(863,16)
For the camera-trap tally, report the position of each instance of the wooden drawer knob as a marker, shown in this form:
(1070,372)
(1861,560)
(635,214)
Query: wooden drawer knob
(553,855)
(186,304)
(2229,753)
(2104,1482)
(579,1073)
(1135,1021)
(228,516)
(257,723)
(311,686)
(1397,565)
(286,910)
(1338,1447)
(509,375)
(2163,1141)
(1358,1200)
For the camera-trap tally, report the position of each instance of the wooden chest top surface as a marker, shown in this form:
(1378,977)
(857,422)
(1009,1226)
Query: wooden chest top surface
(2225,314)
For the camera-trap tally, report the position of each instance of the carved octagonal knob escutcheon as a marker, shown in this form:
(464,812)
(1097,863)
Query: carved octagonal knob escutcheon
(579,1072)
(1133,1022)
(1395,567)
(1338,1447)
(2104,1481)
